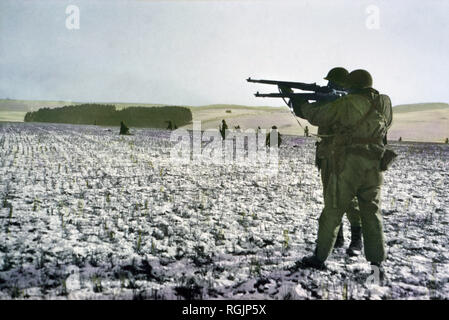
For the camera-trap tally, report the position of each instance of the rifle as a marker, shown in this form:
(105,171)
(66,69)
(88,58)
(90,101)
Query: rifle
(320,93)
(318,96)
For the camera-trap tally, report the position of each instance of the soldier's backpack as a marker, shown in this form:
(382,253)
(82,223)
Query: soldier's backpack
(389,155)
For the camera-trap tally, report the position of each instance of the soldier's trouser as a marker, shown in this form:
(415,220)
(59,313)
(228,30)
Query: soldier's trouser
(362,180)
(353,212)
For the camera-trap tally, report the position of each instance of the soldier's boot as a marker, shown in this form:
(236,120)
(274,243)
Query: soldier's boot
(340,239)
(312,262)
(355,247)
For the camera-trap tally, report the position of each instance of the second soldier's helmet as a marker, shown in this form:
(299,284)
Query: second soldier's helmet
(337,75)
(360,79)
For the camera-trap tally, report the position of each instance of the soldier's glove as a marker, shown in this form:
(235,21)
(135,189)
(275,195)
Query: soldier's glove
(297,104)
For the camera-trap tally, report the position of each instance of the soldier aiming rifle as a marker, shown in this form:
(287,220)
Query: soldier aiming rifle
(335,88)
(355,157)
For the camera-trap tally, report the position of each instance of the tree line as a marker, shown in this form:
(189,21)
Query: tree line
(108,115)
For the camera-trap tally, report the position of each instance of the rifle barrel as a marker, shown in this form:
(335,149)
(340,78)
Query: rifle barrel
(294,85)
(307,96)
(319,97)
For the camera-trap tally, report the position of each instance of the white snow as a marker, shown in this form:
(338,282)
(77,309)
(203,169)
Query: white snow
(88,214)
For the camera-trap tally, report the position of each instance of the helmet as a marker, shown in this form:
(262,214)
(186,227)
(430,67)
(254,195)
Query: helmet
(360,79)
(337,75)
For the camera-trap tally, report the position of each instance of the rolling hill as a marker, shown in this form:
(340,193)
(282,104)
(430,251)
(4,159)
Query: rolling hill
(428,122)
(420,122)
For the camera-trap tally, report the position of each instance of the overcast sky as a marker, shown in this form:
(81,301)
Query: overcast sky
(200,52)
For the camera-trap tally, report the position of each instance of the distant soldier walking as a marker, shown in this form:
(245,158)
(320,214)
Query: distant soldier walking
(123,128)
(359,123)
(223,128)
(306,131)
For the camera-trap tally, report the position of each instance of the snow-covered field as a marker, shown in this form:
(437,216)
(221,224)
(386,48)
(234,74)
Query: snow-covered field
(88,214)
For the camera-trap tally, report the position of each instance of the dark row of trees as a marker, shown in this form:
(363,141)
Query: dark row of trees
(107,115)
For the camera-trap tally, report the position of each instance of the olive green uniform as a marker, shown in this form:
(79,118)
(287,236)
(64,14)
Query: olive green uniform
(352,158)
(353,212)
